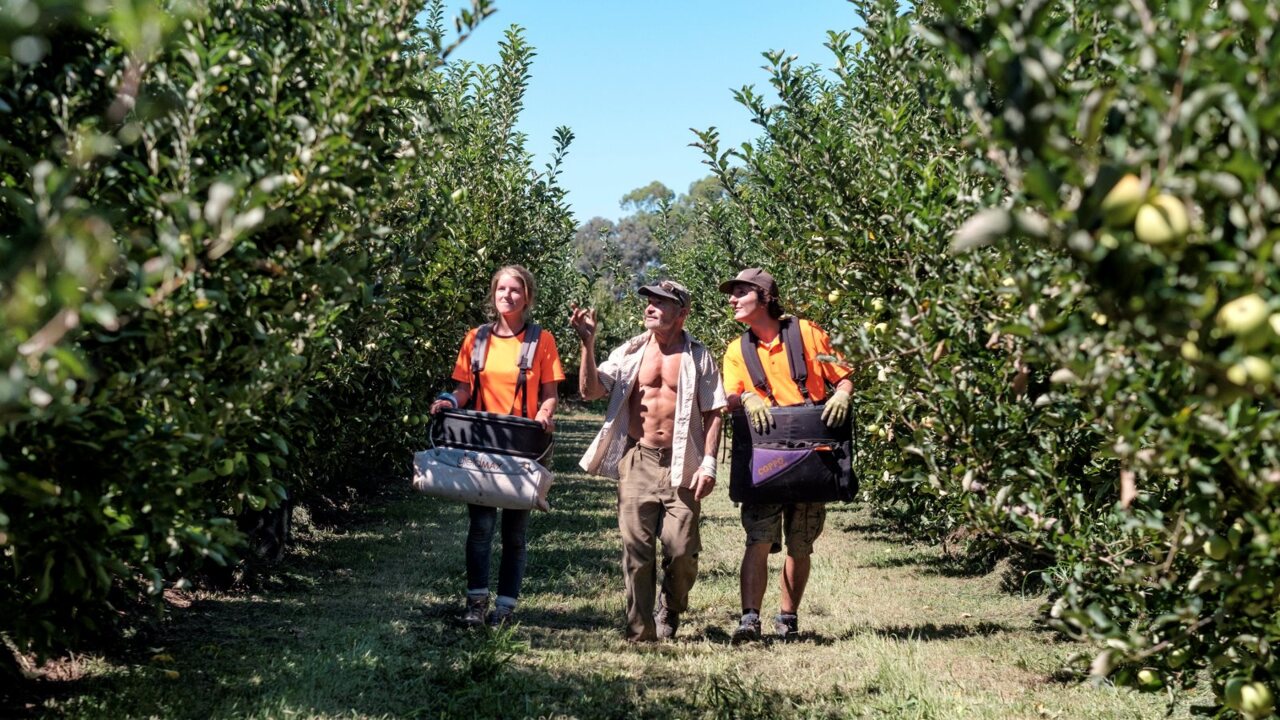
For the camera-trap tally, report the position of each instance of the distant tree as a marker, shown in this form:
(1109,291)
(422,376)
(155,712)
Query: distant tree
(705,191)
(648,200)
(590,240)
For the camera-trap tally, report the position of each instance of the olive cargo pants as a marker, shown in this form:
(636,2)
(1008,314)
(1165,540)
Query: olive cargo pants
(651,509)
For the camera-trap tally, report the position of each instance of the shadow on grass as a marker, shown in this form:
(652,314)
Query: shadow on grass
(873,532)
(929,632)
(360,619)
(931,562)
(364,622)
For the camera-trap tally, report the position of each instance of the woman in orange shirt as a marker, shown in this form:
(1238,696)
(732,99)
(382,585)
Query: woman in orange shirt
(511,295)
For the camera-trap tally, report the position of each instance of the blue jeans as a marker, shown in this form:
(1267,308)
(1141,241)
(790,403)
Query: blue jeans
(480,548)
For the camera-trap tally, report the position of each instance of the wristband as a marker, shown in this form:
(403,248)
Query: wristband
(708,465)
(450,397)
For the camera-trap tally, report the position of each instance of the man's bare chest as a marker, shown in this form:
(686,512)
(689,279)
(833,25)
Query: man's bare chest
(658,370)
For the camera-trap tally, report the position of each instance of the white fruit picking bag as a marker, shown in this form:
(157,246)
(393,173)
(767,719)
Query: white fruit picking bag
(482,478)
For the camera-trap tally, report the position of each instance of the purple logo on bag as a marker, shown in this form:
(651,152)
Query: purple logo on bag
(767,463)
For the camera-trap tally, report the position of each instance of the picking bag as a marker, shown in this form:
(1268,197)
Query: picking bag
(491,432)
(486,459)
(482,478)
(796,460)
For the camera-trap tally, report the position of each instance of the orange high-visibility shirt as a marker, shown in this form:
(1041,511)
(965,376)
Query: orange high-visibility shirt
(773,357)
(498,379)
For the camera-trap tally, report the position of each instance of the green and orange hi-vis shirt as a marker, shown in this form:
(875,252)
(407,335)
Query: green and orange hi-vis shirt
(773,357)
(498,379)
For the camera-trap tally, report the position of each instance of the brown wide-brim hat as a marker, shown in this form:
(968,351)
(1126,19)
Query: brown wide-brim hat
(756,277)
(669,289)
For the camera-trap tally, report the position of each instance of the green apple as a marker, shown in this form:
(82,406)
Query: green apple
(877,305)
(1163,221)
(1121,204)
(1231,694)
(1243,315)
(1236,532)
(1217,547)
(1149,679)
(1179,657)
(833,297)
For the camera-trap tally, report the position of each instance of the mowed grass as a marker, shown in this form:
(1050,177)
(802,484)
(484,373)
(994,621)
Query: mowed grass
(360,621)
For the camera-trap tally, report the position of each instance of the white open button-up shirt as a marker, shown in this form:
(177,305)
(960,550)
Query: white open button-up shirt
(699,390)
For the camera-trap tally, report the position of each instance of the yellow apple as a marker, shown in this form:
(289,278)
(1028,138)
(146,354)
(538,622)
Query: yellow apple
(1121,204)
(1256,700)
(1250,370)
(1259,369)
(1243,315)
(1163,221)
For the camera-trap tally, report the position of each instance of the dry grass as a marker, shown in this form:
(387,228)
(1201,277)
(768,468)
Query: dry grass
(359,622)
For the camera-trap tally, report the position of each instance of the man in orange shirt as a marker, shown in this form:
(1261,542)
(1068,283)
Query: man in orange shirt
(753,295)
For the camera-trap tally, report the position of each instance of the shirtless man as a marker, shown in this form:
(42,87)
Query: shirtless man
(659,441)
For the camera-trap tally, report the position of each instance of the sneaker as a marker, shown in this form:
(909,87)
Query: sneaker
(748,629)
(666,623)
(786,626)
(477,605)
(501,616)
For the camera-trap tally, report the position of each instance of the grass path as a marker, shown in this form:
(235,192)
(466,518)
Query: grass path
(359,622)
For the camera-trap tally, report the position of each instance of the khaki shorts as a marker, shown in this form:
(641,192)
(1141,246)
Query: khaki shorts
(802,523)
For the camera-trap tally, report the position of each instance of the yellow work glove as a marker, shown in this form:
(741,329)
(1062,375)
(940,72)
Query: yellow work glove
(757,411)
(836,411)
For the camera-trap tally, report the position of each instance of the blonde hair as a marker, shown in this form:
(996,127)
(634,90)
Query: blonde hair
(525,277)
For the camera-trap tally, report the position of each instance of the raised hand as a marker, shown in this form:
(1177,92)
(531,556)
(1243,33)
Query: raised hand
(583,321)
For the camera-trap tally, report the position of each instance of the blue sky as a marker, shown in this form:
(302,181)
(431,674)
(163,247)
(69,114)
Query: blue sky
(630,79)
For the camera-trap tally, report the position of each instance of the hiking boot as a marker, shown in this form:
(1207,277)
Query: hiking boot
(666,623)
(786,626)
(477,606)
(501,616)
(748,629)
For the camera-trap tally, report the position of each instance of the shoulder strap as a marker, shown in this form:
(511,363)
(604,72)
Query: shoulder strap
(793,343)
(479,350)
(752,360)
(529,346)
(528,349)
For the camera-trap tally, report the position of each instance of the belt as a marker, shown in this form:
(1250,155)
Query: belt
(662,455)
